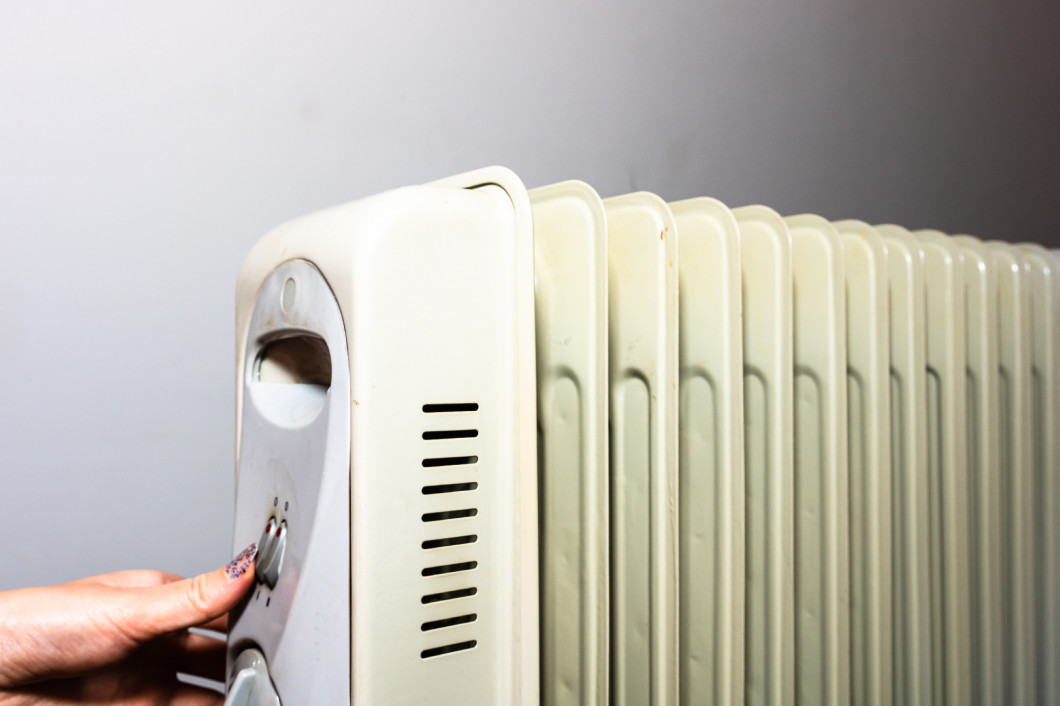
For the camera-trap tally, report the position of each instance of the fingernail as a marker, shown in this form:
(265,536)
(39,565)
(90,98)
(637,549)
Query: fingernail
(238,566)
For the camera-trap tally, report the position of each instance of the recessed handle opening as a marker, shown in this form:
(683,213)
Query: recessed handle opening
(290,379)
(295,360)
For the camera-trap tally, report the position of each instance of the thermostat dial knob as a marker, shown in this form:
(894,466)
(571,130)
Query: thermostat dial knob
(251,684)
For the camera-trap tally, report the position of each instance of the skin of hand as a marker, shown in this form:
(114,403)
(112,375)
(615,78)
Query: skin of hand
(118,638)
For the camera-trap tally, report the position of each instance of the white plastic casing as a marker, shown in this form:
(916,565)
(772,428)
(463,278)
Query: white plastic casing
(434,285)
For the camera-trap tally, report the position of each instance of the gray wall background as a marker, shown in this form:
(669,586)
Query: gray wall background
(145,146)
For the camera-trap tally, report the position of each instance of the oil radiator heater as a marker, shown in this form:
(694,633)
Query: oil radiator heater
(510,447)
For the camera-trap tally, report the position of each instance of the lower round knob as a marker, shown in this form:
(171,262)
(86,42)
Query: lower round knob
(251,684)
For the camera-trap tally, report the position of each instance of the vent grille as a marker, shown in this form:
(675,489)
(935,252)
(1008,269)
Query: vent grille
(448,468)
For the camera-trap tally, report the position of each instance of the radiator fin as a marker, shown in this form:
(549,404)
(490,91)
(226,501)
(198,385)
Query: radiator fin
(868,347)
(765,254)
(948,464)
(1016,471)
(1045,360)
(822,494)
(909,452)
(711,467)
(984,460)
(642,369)
(570,256)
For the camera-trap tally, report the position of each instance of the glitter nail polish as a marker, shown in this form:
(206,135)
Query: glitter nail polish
(238,566)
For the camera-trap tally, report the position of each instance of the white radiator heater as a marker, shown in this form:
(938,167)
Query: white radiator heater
(778,460)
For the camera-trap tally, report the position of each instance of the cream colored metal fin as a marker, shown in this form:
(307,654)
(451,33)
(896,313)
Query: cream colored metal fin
(570,244)
(711,454)
(911,549)
(765,259)
(822,494)
(1044,268)
(869,426)
(1016,431)
(948,468)
(984,439)
(642,285)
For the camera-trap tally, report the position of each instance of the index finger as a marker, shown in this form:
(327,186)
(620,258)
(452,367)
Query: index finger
(135,578)
(218,624)
(157,610)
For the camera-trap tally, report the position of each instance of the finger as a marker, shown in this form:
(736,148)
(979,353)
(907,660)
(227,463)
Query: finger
(152,612)
(217,625)
(129,579)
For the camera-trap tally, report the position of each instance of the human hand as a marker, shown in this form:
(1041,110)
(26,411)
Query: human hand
(118,638)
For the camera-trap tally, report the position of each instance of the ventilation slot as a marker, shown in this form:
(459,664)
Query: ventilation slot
(449,461)
(448,649)
(449,515)
(448,622)
(450,541)
(449,568)
(448,488)
(449,595)
(450,434)
(459,407)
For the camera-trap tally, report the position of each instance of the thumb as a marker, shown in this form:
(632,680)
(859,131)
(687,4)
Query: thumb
(159,610)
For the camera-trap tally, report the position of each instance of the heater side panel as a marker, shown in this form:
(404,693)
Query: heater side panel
(438,314)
